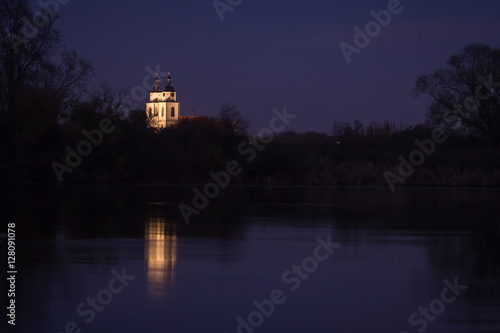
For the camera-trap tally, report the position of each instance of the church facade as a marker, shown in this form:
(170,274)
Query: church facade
(163,109)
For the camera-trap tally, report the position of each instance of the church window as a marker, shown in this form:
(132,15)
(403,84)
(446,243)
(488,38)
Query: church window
(162,111)
(172,112)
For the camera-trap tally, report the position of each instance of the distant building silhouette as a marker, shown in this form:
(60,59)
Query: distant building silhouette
(163,109)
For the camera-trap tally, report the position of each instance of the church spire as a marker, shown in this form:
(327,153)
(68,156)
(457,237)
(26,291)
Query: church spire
(169,83)
(157,84)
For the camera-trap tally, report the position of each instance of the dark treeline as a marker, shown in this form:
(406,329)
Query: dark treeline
(189,151)
(52,128)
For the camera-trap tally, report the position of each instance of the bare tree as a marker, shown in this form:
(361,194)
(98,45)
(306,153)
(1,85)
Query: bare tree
(342,129)
(36,71)
(231,119)
(466,94)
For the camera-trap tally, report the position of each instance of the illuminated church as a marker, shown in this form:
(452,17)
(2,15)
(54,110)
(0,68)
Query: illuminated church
(162,109)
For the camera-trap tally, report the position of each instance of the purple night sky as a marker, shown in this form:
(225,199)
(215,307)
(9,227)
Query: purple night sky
(267,54)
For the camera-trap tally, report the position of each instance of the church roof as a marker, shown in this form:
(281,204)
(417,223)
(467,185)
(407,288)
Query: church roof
(169,84)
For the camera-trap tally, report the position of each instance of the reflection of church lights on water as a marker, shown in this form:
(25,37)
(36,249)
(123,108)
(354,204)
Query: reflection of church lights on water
(160,254)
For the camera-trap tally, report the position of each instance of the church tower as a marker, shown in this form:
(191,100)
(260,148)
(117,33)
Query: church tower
(163,108)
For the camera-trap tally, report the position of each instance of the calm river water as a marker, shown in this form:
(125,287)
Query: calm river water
(120,258)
